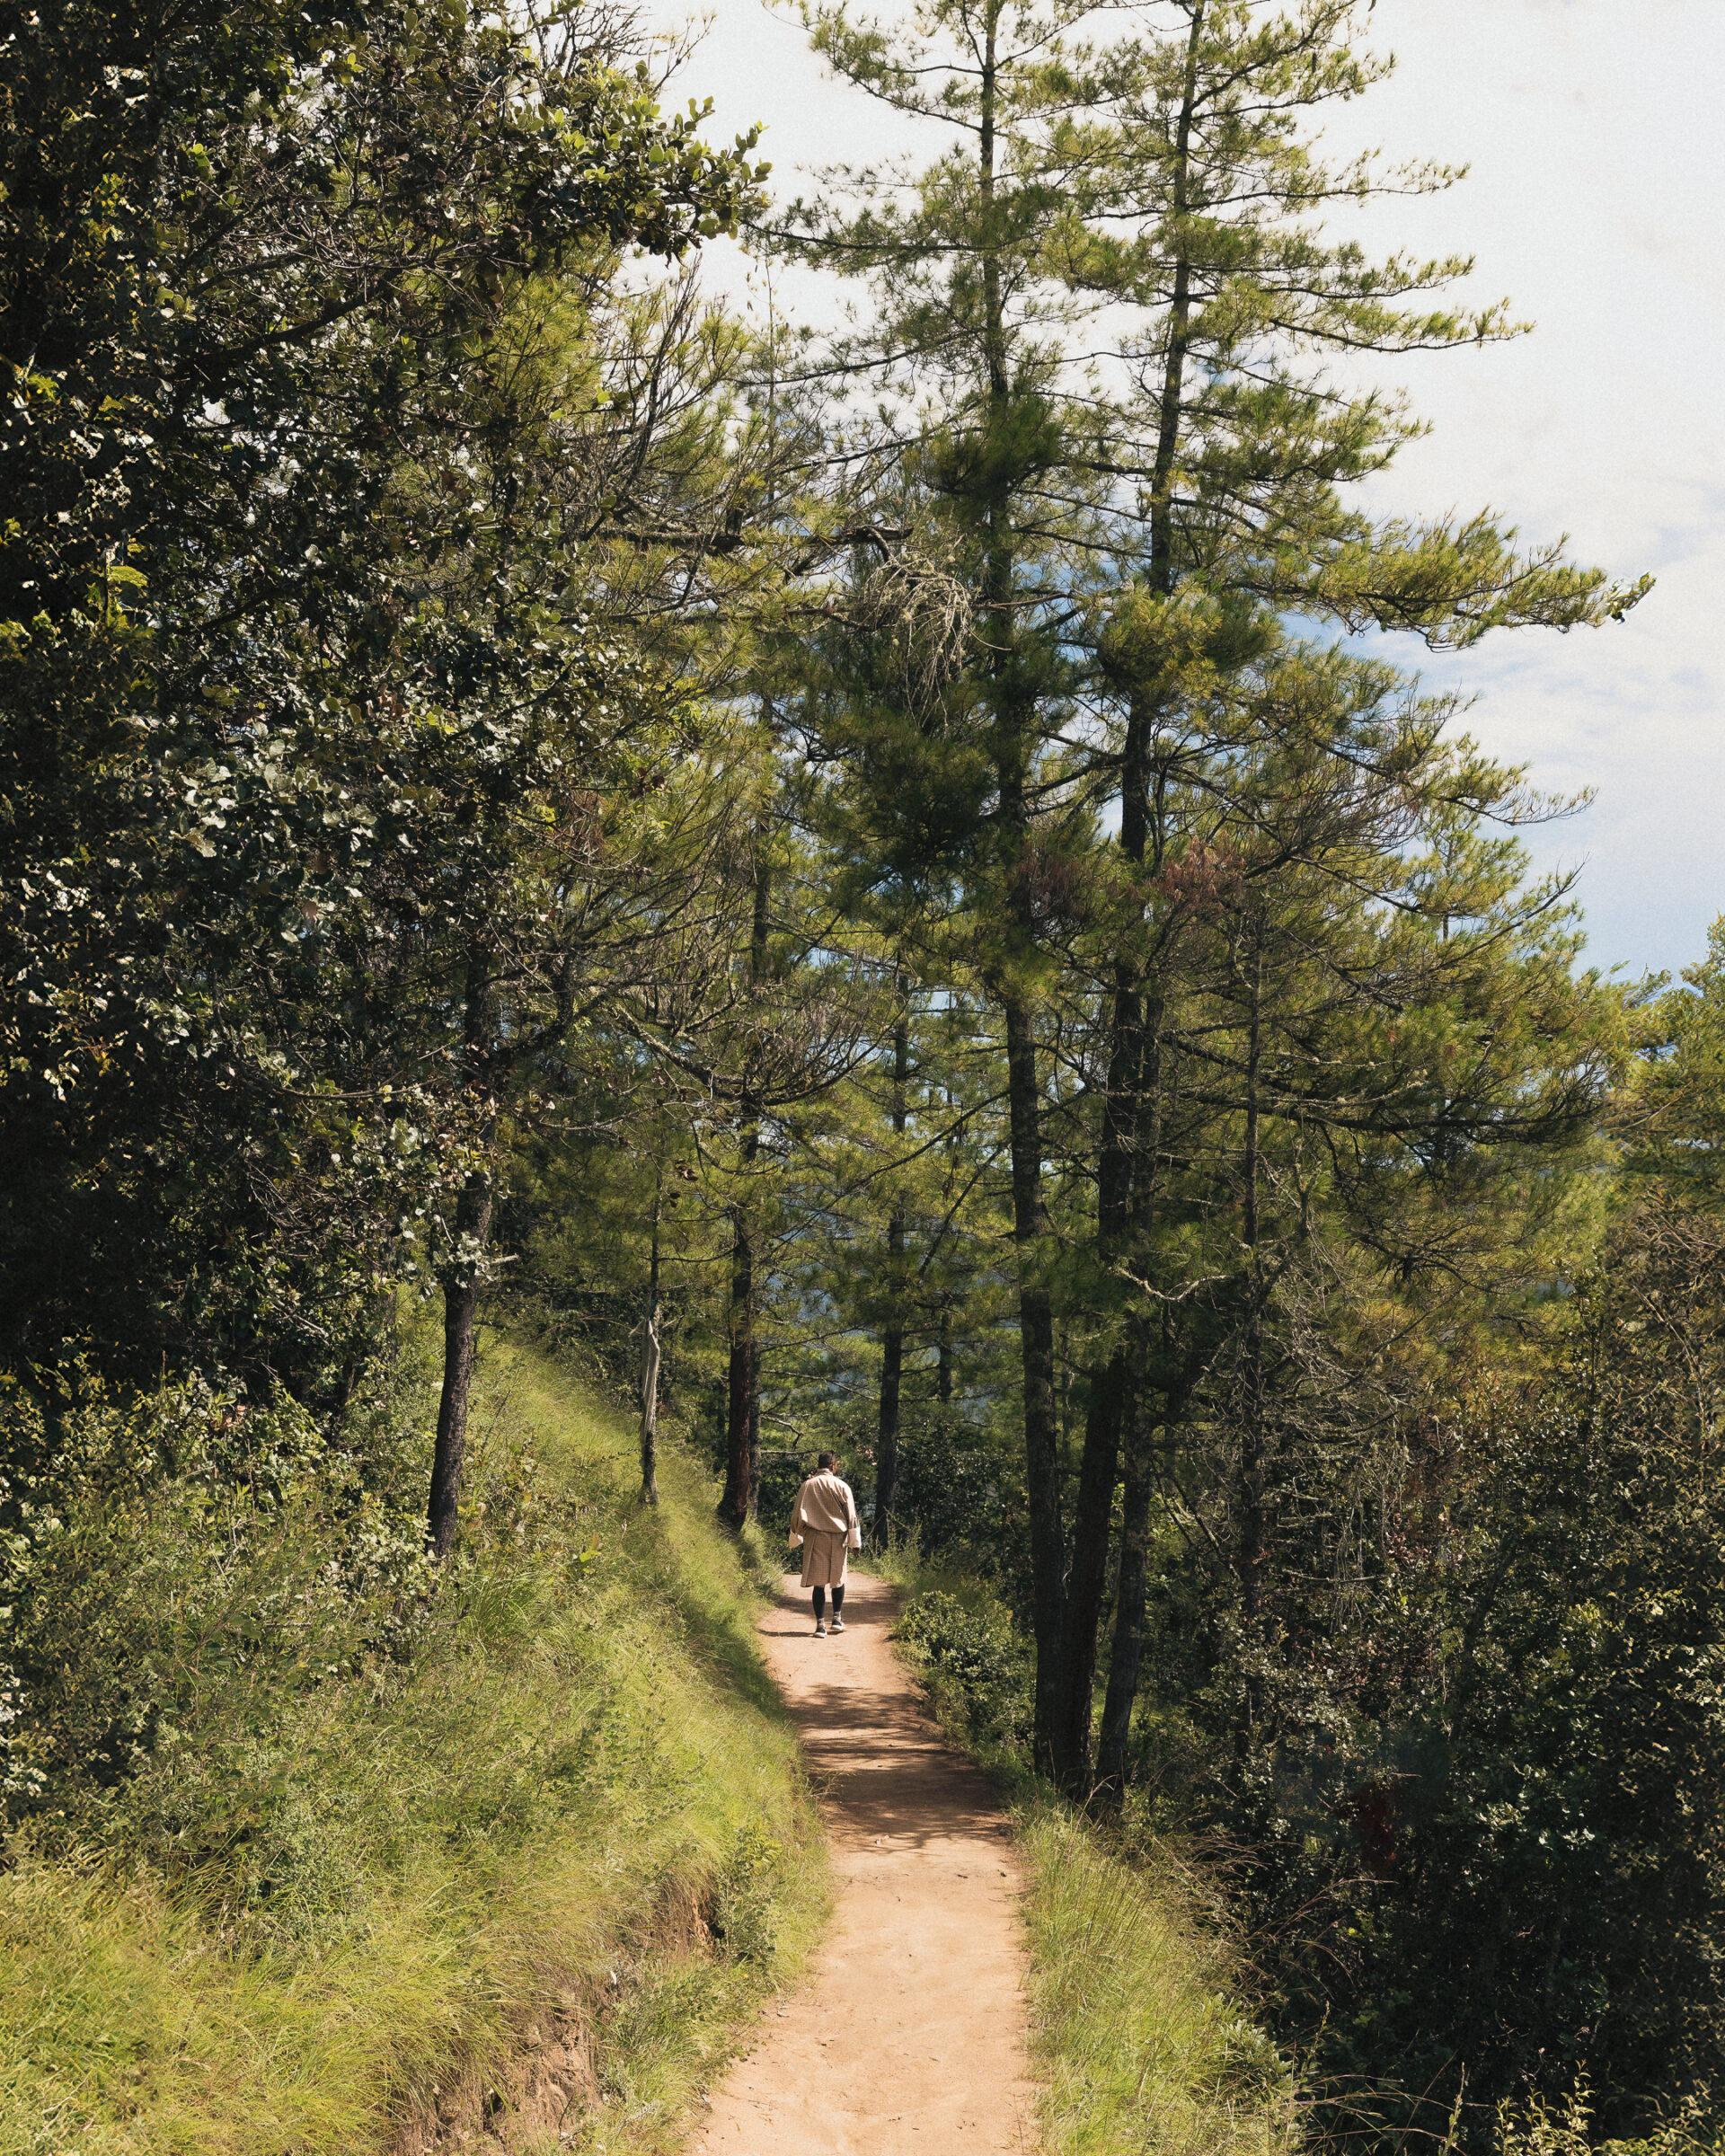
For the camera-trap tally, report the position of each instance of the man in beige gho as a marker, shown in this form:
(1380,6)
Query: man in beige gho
(823,1521)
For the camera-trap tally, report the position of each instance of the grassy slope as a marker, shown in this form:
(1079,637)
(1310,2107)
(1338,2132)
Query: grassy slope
(570,1819)
(1139,2041)
(1140,2047)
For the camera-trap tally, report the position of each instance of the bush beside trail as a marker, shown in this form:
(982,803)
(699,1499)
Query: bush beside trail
(312,1852)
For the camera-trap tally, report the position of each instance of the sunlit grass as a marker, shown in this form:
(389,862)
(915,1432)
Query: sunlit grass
(517,1831)
(1140,2049)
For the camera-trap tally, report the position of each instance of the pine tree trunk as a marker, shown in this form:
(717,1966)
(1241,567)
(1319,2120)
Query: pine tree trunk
(755,1420)
(1144,1437)
(460,1325)
(1036,1340)
(1121,1179)
(892,1338)
(1087,1575)
(885,1456)
(1121,1211)
(650,1357)
(1011,697)
(1249,1487)
(1126,1654)
(737,1505)
(1126,1658)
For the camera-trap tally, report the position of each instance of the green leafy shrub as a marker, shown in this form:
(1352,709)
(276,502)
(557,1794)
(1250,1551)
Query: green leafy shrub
(976,1663)
(178,1558)
(1567,2126)
(743,1896)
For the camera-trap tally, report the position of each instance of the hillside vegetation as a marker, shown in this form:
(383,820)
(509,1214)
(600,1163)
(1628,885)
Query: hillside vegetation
(902,886)
(389,1858)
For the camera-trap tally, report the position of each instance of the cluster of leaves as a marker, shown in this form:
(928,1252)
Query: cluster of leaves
(1480,1820)
(975,1660)
(293,314)
(134,1539)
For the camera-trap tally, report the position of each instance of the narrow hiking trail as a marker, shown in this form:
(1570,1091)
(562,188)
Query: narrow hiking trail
(907,2033)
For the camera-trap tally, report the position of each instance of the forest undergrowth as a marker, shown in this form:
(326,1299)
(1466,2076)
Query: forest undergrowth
(390,1855)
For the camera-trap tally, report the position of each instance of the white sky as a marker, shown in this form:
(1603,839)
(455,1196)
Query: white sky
(1595,202)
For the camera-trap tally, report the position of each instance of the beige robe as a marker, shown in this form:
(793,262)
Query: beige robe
(823,1521)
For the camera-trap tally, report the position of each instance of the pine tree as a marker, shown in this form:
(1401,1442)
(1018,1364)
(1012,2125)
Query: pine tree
(1124,530)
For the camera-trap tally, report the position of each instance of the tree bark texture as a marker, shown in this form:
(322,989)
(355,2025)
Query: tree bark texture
(1119,1174)
(742,1393)
(1126,1658)
(1041,1423)
(462,1279)
(1249,1488)
(649,1358)
(892,1336)
(737,1505)
(460,1326)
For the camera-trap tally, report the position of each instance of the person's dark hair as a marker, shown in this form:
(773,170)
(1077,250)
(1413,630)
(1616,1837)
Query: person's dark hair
(825,1458)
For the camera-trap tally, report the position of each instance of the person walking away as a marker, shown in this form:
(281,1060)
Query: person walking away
(823,1521)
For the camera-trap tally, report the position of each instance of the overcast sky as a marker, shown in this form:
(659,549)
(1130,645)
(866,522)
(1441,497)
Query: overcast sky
(1595,201)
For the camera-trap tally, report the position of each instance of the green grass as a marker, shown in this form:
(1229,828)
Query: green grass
(1137,2034)
(1133,2031)
(535,1861)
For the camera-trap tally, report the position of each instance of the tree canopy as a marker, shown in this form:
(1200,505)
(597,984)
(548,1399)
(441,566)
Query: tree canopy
(897,889)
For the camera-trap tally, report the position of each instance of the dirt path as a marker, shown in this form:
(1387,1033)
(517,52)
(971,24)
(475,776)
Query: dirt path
(907,2035)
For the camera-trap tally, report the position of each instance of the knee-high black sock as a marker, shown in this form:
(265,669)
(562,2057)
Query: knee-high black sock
(838,1600)
(820,1602)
